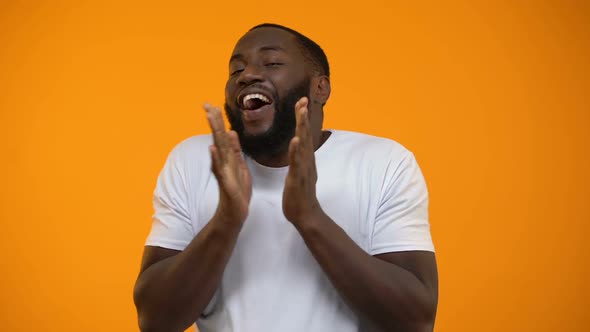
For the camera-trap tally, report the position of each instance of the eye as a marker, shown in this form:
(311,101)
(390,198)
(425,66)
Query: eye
(235,72)
(274,64)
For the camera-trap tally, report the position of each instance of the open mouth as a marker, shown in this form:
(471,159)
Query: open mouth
(253,101)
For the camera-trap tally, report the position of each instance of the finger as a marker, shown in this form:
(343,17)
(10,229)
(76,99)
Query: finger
(305,131)
(297,118)
(215,162)
(211,118)
(219,119)
(307,122)
(234,143)
(300,110)
(303,101)
(217,127)
(293,155)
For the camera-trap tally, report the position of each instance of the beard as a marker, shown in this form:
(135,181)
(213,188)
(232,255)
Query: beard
(275,140)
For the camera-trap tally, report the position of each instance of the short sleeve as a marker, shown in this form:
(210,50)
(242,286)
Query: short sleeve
(401,222)
(171,222)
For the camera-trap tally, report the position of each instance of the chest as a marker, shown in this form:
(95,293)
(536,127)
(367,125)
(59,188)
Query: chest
(347,194)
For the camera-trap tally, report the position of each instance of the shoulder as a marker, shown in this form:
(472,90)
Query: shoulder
(368,146)
(190,155)
(197,143)
(192,149)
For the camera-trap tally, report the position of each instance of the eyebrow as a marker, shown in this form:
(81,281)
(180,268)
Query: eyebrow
(239,56)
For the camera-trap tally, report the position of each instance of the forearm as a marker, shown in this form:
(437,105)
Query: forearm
(389,296)
(171,294)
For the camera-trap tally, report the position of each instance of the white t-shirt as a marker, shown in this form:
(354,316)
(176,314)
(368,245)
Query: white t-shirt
(371,187)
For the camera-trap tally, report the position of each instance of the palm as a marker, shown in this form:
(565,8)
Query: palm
(229,167)
(235,180)
(299,196)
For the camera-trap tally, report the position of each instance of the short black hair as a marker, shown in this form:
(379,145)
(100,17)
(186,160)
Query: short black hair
(311,50)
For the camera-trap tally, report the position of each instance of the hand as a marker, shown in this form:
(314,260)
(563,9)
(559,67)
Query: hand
(229,167)
(300,203)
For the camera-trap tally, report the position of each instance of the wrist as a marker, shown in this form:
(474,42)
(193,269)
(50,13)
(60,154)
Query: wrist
(227,214)
(309,221)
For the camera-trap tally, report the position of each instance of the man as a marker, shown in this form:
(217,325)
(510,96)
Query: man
(279,225)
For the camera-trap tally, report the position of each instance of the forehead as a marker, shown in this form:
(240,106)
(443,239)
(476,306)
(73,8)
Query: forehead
(266,38)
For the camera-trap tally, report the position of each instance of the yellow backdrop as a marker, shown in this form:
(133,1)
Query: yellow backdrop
(492,97)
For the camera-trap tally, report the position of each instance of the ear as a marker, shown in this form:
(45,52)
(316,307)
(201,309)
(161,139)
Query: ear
(321,89)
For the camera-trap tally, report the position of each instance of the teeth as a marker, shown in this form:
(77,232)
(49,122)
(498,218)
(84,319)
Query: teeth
(255,95)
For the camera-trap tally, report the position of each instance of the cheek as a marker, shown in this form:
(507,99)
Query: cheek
(229,90)
(285,83)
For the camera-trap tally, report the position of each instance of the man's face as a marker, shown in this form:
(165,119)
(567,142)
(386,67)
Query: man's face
(267,77)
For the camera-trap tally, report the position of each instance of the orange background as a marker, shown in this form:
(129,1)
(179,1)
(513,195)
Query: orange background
(493,98)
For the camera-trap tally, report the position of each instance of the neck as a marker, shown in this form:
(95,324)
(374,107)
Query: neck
(282,159)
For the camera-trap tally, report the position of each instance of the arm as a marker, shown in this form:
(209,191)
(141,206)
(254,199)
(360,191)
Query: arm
(173,287)
(393,291)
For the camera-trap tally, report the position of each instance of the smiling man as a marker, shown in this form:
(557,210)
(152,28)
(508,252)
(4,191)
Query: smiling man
(281,225)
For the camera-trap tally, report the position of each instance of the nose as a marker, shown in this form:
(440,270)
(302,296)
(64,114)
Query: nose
(250,74)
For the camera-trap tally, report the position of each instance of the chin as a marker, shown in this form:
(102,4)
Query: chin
(258,127)
(256,131)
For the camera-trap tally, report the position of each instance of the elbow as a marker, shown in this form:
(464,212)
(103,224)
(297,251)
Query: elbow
(139,300)
(429,314)
(407,326)
(145,325)
(145,320)
(397,325)
(151,317)
(149,323)
(424,318)
(414,318)
(419,315)
(420,321)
